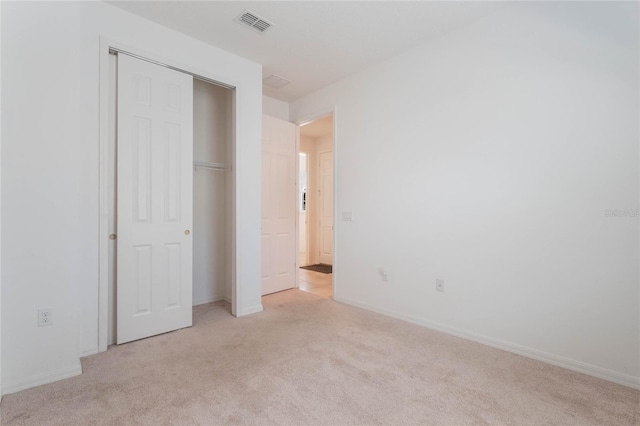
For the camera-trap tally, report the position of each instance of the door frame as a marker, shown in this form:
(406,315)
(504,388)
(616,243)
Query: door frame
(321,113)
(106,45)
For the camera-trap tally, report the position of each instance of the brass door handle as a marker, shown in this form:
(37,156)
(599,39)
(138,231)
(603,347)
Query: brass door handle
(187,232)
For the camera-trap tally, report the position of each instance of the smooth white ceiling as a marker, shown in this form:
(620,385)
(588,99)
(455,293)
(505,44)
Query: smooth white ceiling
(313,43)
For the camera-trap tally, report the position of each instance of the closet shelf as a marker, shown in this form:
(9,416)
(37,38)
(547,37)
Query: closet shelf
(205,165)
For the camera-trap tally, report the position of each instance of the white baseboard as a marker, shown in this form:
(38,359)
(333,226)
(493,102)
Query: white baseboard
(250,310)
(43,379)
(549,358)
(209,300)
(89,350)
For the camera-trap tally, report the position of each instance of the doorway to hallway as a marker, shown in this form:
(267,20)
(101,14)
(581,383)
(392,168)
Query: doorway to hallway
(316,202)
(315,282)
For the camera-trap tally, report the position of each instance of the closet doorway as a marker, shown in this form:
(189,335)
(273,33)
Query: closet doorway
(316,227)
(170,197)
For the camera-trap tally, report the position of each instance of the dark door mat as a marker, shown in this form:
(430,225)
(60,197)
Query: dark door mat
(325,269)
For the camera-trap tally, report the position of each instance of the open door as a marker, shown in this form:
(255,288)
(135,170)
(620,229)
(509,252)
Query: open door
(155,199)
(279,206)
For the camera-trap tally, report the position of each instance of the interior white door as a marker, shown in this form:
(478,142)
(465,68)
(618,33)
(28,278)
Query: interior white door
(326,207)
(303,184)
(302,242)
(155,199)
(279,207)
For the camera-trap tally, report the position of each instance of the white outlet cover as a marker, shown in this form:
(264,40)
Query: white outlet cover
(45,317)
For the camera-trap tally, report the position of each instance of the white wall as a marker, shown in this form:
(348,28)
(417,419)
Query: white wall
(275,108)
(488,158)
(211,254)
(50,134)
(45,215)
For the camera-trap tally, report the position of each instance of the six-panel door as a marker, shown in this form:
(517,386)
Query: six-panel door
(155,199)
(279,210)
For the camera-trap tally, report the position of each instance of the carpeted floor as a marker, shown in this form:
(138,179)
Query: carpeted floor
(308,360)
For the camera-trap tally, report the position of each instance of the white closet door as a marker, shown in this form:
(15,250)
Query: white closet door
(155,192)
(279,205)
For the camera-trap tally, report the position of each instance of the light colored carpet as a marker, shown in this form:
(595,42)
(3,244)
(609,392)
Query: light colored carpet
(308,360)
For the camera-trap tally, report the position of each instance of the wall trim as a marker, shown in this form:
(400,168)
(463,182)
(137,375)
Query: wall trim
(320,113)
(250,310)
(546,357)
(211,300)
(43,379)
(89,350)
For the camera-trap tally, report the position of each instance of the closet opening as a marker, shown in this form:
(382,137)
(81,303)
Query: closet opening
(209,237)
(212,192)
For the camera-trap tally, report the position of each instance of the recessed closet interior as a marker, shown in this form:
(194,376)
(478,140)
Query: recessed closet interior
(212,194)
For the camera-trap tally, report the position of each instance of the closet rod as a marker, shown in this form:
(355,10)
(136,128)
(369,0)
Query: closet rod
(205,165)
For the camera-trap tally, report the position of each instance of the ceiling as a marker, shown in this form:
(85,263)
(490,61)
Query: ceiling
(313,43)
(318,128)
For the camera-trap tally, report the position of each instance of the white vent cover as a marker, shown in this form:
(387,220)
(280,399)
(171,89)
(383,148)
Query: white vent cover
(275,81)
(253,21)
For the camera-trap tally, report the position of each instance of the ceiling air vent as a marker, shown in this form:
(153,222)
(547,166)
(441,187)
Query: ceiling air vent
(253,21)
(275,81)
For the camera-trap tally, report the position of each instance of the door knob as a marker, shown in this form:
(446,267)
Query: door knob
(113,236)
(187,232)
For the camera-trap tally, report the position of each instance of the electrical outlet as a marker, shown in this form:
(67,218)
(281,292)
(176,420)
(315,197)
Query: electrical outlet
(440,286)
(45,317)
